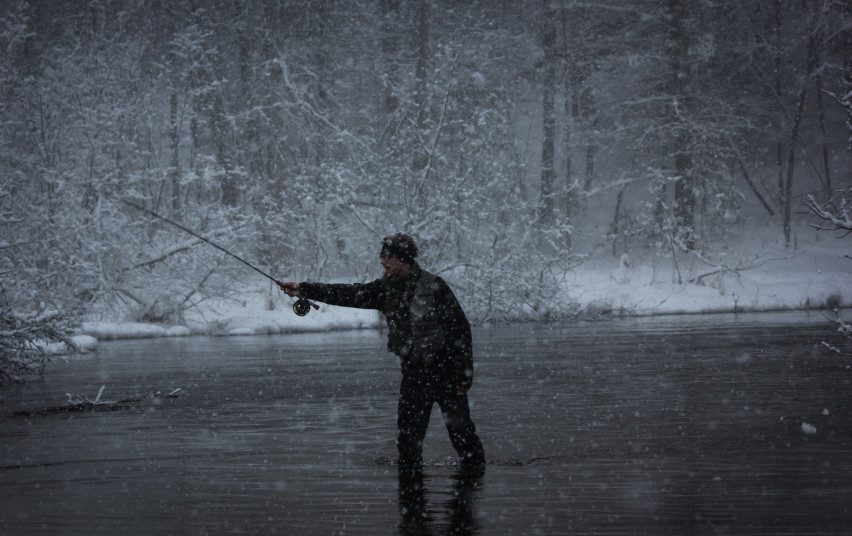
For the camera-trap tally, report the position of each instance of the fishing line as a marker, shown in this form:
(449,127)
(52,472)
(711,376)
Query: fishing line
(196,235)
(301,306)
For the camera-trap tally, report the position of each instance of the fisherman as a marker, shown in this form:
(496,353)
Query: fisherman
(430,333)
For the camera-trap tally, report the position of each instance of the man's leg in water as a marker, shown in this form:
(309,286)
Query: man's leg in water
(415,407)
(456,412)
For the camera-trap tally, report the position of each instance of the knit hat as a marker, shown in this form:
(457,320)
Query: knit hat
(401,246)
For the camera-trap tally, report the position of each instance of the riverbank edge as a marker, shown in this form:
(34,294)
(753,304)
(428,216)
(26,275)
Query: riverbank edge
(129,330)
(816,278)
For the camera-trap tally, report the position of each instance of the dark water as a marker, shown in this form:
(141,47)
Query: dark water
(670,425)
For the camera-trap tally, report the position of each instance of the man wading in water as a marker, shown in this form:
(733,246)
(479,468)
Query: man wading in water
(430,333)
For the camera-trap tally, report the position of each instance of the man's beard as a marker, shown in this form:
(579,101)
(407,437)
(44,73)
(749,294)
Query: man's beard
(390,276)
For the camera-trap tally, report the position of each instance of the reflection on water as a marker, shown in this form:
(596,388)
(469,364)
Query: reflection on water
(457,513)
(677,425)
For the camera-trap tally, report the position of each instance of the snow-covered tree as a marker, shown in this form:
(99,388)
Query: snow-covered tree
(301,132)
(24,338)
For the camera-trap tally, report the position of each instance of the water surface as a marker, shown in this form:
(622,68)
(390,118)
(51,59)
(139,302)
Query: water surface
(668,425)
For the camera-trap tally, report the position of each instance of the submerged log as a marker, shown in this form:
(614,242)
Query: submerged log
(81,406)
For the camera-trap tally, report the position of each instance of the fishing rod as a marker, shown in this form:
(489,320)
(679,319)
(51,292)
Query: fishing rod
(301,306)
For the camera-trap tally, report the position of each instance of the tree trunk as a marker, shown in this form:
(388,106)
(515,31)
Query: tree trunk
(590,111)
(421,77)
(548,142)
(680,90)
(787,186)
(660,209)
(779,147)
(174,166)
(421,104)
(193,152)
(684,197)
(272,157)
(827,183)
(244,43)
(615,228)
(753,186)
(591,151)
(389,45)
(569,202)
(322,60)
(846,102)
(787,190)
(221,130)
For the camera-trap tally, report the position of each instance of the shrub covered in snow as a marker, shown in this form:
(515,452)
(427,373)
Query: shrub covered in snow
(23,339)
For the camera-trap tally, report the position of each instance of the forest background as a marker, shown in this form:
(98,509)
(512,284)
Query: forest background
(514,140)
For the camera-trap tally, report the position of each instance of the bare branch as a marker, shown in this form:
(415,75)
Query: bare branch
(838,219)
(7,245)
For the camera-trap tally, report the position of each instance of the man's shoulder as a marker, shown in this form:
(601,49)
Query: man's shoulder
(425,273)
(431,281)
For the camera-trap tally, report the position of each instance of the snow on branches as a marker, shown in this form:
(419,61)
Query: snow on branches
(838,219)
(843,328)
(23,339)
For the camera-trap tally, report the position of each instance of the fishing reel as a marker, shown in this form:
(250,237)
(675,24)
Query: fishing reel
(302,306)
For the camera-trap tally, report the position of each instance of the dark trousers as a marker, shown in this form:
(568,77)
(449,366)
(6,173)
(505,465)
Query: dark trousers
(418,392)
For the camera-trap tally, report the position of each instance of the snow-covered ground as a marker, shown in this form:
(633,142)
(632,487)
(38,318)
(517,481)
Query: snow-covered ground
(84,343)
(131,330)
(757,274)
(746,279)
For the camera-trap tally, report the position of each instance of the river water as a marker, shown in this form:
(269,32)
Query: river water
(715,424)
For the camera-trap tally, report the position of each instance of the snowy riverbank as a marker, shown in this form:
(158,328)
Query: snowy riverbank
(758,279)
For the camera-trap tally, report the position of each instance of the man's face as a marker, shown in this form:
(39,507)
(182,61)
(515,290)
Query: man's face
(394,267)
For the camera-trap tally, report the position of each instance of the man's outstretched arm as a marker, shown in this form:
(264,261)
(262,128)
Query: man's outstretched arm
(360,295)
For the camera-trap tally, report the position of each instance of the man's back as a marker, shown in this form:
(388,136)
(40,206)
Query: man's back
(424,317)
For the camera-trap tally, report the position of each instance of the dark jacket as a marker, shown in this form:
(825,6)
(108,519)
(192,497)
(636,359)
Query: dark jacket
(426,324)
